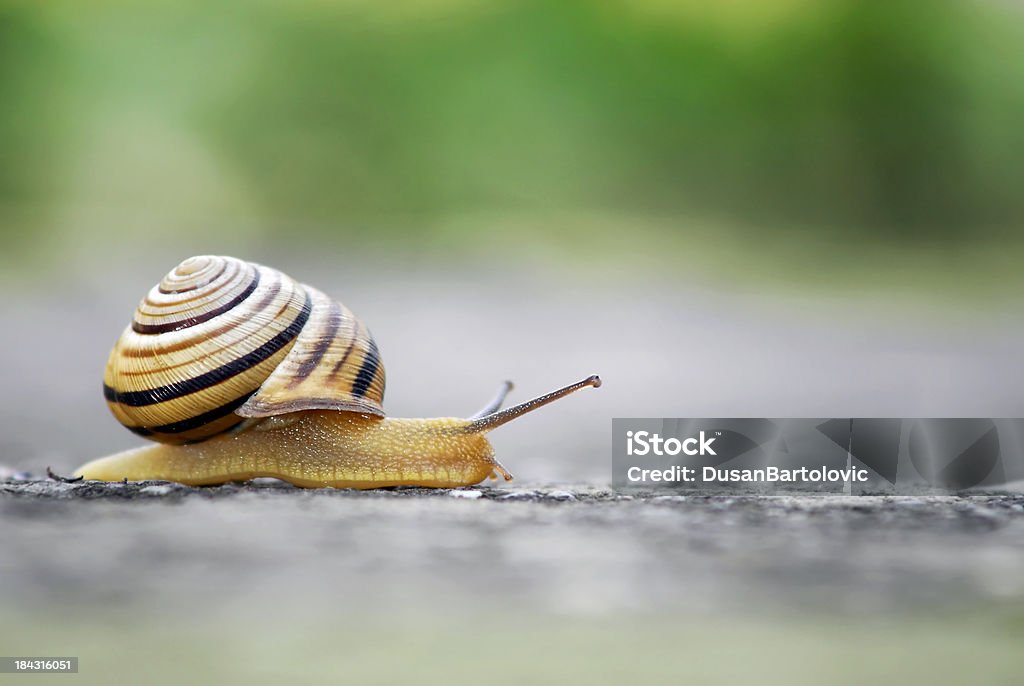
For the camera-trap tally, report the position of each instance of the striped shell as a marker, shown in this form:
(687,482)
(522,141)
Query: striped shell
(220,341)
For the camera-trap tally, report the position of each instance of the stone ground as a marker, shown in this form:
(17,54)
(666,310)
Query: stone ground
(511,584)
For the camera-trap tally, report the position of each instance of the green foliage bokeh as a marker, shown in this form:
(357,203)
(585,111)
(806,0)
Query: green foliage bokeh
(896,121)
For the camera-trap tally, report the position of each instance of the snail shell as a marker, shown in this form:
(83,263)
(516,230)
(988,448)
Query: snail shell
(220,343)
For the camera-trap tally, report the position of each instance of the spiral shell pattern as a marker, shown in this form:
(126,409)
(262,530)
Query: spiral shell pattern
(220,342)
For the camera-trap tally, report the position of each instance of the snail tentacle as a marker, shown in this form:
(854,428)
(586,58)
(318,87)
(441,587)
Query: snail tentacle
(496,419)
(495,404)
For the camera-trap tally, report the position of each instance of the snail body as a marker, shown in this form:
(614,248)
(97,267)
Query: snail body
(315,449)
(237,371)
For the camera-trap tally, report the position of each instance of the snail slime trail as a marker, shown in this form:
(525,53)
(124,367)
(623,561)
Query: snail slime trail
(237,371)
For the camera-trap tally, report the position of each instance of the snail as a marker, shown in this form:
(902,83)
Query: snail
(238,371)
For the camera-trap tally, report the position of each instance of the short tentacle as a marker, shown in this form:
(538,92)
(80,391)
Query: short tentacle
(495,404)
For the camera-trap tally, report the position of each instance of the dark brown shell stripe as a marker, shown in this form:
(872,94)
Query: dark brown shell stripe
(184,381)
(186,322)
(162,394)
(333,320)
(176,303)
(219,335)
(322,369)
(367,371)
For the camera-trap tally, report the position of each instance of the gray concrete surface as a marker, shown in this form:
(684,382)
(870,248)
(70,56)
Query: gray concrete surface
(576,549)
(523,584)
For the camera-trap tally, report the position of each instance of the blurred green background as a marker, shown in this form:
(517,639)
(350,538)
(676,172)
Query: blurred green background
(400,155)
(842,141)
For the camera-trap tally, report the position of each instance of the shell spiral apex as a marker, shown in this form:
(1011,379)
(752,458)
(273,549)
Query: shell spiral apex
(221,341)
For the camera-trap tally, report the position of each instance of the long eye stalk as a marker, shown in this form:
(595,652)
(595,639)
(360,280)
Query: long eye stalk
(496,419)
